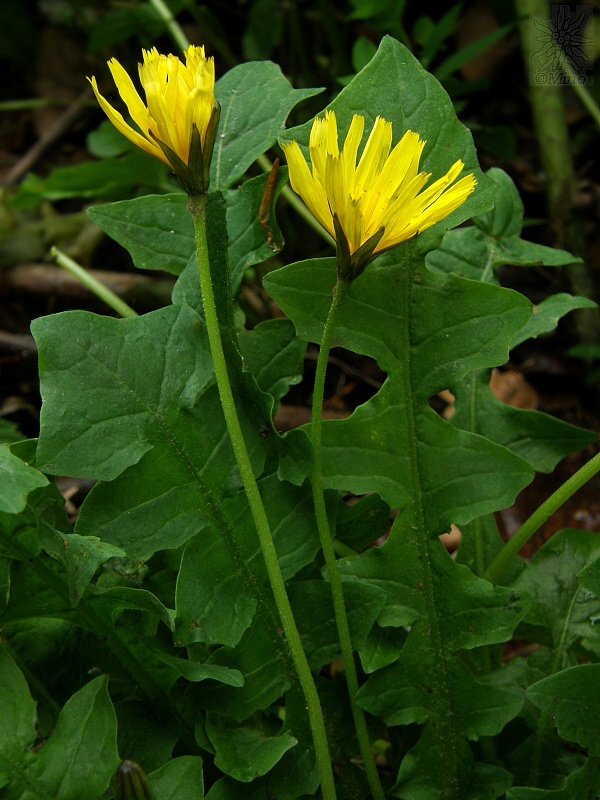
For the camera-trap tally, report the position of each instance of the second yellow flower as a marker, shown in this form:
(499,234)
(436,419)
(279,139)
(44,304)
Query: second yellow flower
(381,194)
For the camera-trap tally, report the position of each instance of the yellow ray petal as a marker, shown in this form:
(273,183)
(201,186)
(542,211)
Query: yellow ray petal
(375,153)
(117,120)
(135,105)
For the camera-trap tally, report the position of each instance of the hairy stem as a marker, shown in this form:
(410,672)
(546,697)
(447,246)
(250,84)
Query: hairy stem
(197,207)
(341,619)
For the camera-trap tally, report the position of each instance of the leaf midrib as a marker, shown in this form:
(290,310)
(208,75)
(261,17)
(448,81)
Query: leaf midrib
(443,714)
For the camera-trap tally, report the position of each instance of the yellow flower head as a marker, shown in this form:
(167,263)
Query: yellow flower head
(378,202)
(178,122)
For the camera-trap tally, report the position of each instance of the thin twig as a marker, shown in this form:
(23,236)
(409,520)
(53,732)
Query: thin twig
(54,132)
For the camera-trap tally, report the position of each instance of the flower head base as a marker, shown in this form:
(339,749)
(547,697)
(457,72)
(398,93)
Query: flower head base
(378,202)
(178,123)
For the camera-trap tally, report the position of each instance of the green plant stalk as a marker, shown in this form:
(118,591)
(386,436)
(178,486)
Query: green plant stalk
(197,207)
(34,102)
(555,155)
(585,97)
(536,520)
(174,28)
(101,291)
(337,593)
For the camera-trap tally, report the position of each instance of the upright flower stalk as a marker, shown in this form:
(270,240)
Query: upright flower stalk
(178,125)
(368,205)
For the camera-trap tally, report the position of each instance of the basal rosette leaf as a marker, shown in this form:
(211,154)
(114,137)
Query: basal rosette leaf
(80,555)
(250,750)
(562,619)
(422,777)
(562,605)
(80,756)
(18,729)
(364,603)
(155,229)
(418,585)
(180,778)
(77,760)
(222,569)
(538,438)
(494,240)
(572,699)
(266,669)
(581,785)
(228,789)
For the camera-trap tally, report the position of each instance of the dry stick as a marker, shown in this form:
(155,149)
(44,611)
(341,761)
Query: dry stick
(46,279)
(17,343)
(54,132)
(553,139)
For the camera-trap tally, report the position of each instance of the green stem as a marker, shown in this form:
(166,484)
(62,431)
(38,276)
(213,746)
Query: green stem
(585,97)
(34,102)
(536,520)
(174,28)
(197,207)
(339,606)
(101,291)
(552,133)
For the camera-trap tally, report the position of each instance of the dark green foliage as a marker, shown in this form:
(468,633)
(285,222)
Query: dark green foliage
(152,620)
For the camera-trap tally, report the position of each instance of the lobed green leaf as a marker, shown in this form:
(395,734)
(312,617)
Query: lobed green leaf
(17,480)
(251,118)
